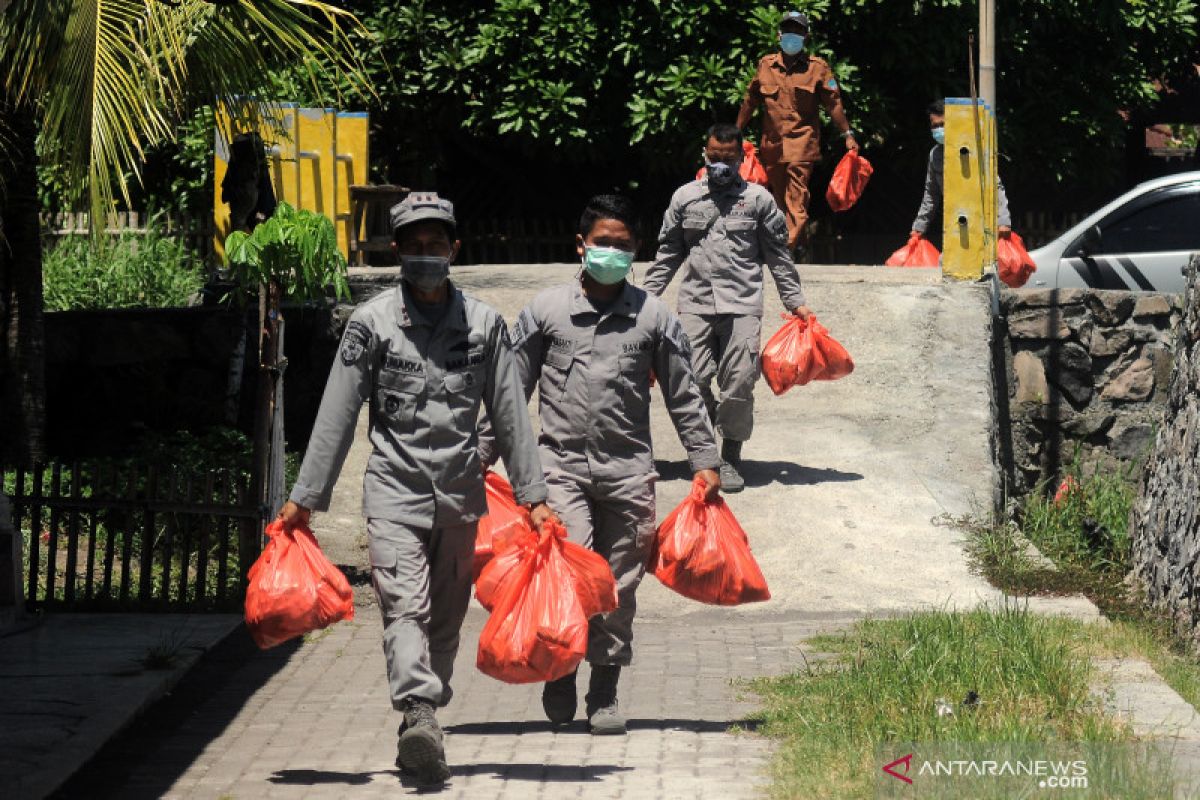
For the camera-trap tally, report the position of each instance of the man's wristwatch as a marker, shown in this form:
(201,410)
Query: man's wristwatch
(848,133)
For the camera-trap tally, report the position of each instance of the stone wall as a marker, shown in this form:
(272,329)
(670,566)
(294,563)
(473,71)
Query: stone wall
(1165,521)
(1084,374)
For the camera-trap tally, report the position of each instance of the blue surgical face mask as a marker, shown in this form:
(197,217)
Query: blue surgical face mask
(607,265)
(791,43)
(939,135)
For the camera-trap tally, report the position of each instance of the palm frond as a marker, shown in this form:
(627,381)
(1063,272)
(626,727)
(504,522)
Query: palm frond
(111,76)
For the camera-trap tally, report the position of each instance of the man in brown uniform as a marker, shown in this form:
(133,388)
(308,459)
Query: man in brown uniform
(792,86)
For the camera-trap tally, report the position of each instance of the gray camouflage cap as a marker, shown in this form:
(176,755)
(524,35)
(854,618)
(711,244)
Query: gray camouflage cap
(421,207)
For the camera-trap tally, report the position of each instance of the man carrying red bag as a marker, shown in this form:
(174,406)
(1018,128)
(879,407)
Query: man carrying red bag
(590,347)
(931,201)
(425,357)
(721,231)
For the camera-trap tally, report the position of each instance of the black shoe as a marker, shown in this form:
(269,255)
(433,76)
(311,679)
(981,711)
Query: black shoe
(559,700)
(419,751)
(731,458)
(604,718)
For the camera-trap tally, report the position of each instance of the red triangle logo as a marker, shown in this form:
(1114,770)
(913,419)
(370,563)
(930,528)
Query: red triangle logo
(906,761)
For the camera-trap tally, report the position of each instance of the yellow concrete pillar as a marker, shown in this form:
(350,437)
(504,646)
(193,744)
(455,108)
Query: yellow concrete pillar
(313,155)
(970,195)
(351,154)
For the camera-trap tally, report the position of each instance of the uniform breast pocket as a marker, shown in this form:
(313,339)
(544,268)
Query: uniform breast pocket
(397,397)
(742,233)
(806,101)
(695,226)
(556,370)
(464,391)
(635,385)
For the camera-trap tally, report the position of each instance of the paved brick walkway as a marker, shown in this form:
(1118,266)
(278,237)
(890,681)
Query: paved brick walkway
(314,721)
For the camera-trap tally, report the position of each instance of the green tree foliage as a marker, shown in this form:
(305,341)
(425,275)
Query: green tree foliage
(625,89)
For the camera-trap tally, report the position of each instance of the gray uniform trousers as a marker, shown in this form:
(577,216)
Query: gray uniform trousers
(726,347)
(409,565)
(616,519)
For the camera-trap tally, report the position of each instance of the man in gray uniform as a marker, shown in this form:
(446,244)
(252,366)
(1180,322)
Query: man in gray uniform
(590,347)
(425,357)
(722,229)
(931,202)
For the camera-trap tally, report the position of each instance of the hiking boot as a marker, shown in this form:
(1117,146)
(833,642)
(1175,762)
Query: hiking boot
(559,700)
(419,751)
(731,459)
(604,718)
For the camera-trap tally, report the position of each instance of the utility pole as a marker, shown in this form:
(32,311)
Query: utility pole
(987,53)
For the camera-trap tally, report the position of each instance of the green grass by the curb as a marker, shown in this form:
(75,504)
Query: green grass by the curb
(1005,674)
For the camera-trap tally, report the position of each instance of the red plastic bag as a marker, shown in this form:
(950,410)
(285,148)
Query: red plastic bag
(591,576)
(701,552)
(294,588)
(539,627)
(848,182)
(1013,263)
(917,252)
(802,351)
(504,520)
(752,170)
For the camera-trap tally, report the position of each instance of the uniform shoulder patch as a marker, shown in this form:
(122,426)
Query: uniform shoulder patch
(355,341)
(831,84)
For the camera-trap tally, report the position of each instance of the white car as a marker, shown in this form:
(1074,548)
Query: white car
(1141,241)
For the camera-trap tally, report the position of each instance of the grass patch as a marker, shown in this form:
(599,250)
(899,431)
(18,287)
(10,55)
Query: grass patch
(1005,675)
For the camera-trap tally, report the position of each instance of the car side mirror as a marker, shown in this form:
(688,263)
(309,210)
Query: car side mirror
(1090,242)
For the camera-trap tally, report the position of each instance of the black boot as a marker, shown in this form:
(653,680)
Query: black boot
(603,715)
(559,699)
(731,459)
(420,752)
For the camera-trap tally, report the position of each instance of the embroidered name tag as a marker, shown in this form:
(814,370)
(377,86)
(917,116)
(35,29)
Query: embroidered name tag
(637,347)
(398,363)
(470,360)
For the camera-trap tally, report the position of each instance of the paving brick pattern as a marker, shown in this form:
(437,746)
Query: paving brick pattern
(318,723)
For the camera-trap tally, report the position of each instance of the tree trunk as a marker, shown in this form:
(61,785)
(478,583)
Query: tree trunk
(22,339)
(1165,522)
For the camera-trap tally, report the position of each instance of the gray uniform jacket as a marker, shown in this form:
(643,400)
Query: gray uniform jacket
(592,370)
(931,203)
(722,238)
(425,384)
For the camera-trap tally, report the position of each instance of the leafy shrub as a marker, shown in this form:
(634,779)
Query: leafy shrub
(130,270)
(295,247)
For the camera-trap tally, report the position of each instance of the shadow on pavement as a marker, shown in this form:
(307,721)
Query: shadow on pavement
(540,773)
(579,726)
(138,764)
(764,473)
(317,777)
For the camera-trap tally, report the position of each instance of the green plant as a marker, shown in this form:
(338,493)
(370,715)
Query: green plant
(298,249)
(1085,523)
(132,270)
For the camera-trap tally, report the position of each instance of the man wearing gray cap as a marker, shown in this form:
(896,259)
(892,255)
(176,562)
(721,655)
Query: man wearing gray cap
(425,357)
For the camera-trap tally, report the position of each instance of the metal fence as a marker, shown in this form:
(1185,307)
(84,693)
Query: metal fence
(134,537)
(197,232)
